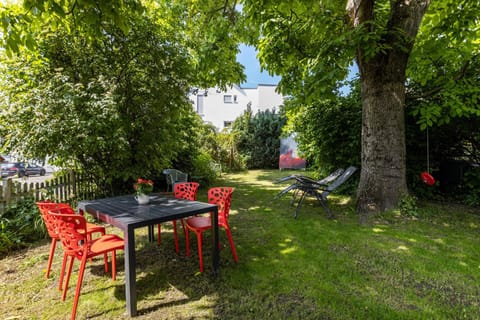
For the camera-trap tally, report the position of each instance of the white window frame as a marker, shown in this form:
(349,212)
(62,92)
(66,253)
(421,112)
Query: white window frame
(227,98)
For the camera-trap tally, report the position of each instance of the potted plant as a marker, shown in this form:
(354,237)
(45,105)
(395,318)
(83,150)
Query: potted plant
(143,188)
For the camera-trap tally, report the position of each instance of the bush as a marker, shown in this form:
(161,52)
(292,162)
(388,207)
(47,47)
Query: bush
(328,131)
(257,138)
(220,146)
(20,225)
(408,205)
(205,169)
(472,187)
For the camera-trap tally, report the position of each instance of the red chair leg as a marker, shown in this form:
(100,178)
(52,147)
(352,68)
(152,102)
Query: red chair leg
(105,262)
(79,287)
(232,245)
(62,273)
(89,238)
(175,236)
(183,226)
(187,241)
(50,257)
(69,273)
(159,227)
(114,265)
(200,254)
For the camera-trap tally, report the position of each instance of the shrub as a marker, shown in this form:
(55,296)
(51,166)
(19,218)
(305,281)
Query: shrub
(20,225)
(408,205)
(472,187)
(328,131)
(257,138)
(204,169)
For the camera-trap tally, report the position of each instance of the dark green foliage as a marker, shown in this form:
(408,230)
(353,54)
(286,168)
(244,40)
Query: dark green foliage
(20,225)
(471,184)
(220,147)
(453,152)
(205,170)
(408,205)
(187,148)
(115,107)
(329,131)
(103,88)
(258,138)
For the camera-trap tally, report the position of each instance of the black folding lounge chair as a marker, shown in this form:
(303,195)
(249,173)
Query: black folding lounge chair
(308,186)
(301,180)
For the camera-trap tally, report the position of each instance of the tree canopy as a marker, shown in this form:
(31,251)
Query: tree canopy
(104,87)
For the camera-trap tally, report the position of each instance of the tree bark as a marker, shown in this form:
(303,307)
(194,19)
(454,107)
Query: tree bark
(382,76)
(383,174)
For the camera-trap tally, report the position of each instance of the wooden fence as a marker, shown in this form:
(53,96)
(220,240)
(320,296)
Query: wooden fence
(67,187)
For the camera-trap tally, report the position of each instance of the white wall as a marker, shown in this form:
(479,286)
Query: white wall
(268,98)
(217,110)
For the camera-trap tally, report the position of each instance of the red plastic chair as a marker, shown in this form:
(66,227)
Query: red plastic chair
(181,190)
(44,207)
(222,197)
(72,230)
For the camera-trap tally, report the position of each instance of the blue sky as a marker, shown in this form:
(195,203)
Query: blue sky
(248,58)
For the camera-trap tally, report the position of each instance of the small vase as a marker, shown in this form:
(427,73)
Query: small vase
(142,198)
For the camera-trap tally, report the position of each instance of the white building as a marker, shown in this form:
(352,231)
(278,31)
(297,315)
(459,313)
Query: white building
(221,108)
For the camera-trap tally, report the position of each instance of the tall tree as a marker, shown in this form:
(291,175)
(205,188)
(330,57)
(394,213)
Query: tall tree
(97,83)
(383,75)
(100,106)
(311,45)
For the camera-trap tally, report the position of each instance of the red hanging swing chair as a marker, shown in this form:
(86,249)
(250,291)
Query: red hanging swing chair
(425,176)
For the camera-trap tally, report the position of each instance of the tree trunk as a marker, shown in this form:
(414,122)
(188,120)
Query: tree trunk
(383,174)
(382,76)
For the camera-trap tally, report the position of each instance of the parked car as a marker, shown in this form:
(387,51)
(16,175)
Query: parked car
(21,169)
(5,170)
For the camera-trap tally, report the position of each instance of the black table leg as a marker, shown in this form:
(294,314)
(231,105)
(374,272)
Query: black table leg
(216,255)
(151,233)
(130,272)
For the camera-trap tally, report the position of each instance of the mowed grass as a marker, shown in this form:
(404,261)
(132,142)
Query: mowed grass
(395,267)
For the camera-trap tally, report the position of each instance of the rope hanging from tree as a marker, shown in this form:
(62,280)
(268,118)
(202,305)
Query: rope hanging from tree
(425,176)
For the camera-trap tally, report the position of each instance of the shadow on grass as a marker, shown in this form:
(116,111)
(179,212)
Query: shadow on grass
(163,277)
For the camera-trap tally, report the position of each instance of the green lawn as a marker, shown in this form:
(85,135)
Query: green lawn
(310,268)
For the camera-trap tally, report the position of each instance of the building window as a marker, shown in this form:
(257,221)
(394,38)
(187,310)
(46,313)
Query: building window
(227,99)
(235,99)
(227,124)
(200,99)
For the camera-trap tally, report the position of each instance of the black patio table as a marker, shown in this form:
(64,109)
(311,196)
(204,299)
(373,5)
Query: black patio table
(125,213)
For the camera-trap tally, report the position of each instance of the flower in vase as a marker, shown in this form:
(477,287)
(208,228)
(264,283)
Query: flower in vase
(143,186)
